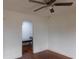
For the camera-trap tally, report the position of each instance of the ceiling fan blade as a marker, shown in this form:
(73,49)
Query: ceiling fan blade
(51,10)
(37,2)
(63,4)
(40,8)
(50,2)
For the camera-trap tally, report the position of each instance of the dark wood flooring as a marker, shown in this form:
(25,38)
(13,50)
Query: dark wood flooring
(27,49)
(44,55)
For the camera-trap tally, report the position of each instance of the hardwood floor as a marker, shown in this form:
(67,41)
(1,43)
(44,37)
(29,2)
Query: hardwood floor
(44,55)
(51,55)
(27,49)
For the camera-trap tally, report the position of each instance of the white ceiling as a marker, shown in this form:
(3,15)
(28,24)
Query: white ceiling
(25,6)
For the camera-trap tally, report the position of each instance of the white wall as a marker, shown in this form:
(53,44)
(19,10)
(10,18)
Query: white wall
(12,36)
(62,34)
(12,33)
(27,30)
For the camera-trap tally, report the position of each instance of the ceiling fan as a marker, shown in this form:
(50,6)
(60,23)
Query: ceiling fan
(50,3)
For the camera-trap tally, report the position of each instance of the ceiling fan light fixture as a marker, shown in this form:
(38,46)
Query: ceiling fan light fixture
(52,10)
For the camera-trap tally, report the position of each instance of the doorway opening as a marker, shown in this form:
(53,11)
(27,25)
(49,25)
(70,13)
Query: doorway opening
(27,37)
